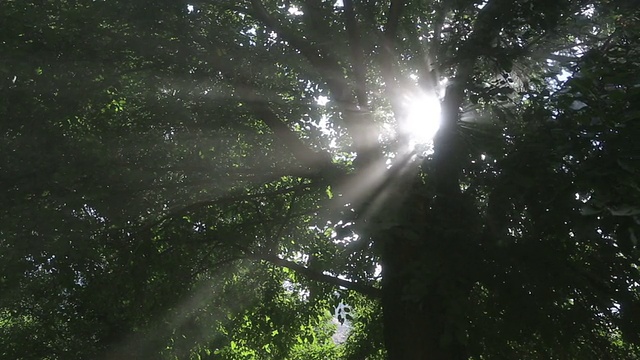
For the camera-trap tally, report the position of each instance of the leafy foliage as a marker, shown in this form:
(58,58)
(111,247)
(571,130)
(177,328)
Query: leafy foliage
(211,180)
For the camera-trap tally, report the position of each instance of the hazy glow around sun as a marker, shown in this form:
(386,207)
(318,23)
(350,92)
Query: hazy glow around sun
(423,119)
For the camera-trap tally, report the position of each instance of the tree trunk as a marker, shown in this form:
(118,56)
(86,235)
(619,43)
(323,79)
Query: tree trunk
(424,281)
(416,326)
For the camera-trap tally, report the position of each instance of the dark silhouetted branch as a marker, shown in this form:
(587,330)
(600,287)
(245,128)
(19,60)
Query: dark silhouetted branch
(358,121)
(357,56)
(323,62)
(388,58)
(305,155)
(318,276)
(224,200)
(393,19)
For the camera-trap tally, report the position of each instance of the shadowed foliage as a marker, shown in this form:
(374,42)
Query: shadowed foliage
(235,180)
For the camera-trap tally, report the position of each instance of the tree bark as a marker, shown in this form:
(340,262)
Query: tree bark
(416,312)
(425,284)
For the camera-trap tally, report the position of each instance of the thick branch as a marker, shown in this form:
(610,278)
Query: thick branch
(430,73)
(389,42)
(393,19)
(323,62)
(447,147)
(358,121)
(318,276)
(259,105)
(225,200)
(311,159)
(388,56)
(357,56)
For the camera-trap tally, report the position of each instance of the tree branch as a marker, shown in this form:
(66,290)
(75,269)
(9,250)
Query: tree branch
(389,43)
(358,122)
(393,19)
(311,274)
(309,158)
(324,63)
(430,72)
(357,56)
(259,105)
(447,148)
(388,56)
(220,201)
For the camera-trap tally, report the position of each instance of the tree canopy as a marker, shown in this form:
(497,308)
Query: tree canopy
(240,179)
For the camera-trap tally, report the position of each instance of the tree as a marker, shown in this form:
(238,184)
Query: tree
(208,179)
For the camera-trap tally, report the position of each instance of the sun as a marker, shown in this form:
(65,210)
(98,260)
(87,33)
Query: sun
(423,119)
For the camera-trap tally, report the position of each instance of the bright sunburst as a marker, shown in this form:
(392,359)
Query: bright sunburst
(423,119)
